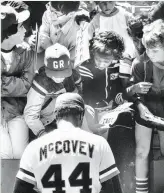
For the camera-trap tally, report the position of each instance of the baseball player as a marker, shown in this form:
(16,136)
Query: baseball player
(67,159)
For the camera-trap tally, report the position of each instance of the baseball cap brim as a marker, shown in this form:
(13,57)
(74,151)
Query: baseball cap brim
(23,16)
(58,74)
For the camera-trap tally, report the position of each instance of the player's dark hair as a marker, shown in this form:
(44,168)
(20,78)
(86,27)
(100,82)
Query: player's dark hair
(108,42)
(9,31)
(65,112)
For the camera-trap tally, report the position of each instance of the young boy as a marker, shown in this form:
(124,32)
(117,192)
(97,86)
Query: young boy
(148,74)
(105,74)
(112,18)
(56,77)
(56,23)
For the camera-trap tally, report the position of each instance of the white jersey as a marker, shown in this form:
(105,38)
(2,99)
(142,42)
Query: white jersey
(68,161)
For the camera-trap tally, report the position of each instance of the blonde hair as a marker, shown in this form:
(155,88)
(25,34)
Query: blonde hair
(153,34)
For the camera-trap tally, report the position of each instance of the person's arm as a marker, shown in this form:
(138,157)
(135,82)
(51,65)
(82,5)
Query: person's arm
(23,187)
(93,126)
(128,16)
(108,169)
(112,186)
(14,86)
(125,73)
(45,27)
(44,39)
(93,25)
(137,76)
(35,101)
(157,12)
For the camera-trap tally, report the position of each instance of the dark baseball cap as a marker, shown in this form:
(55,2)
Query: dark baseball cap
(10,16)
(57,61)
(69,100)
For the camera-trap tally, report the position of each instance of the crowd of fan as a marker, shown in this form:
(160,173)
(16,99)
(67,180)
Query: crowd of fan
(98,49)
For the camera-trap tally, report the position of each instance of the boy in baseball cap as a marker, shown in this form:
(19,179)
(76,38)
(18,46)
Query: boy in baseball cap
(57,62)
(54,78)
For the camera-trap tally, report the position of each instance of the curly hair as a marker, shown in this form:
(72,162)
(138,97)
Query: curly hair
(108,42)
(153,34)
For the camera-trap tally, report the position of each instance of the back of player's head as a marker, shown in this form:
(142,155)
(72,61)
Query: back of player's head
(109,43)
(154,34)
(70,105)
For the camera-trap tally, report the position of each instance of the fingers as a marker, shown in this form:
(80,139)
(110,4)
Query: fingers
(32,40)
(145,84)
(144,90)
(144,87)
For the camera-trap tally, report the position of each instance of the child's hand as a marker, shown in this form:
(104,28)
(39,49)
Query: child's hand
(32,39)
(142,87)
(44,41)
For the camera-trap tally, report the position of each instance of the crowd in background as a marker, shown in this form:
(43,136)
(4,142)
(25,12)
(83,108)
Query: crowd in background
(100,50)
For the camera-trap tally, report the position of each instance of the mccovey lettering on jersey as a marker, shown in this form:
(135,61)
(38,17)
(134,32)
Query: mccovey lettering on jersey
(67,147)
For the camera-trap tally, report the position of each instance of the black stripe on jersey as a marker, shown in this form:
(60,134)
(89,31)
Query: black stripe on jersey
(27,172)
(142,186)
(107,169)
(38,90)
(23,187)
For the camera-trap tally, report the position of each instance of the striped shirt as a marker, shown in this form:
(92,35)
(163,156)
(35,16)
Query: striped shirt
(104,84)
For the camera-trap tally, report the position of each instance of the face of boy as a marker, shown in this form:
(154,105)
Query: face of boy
(156,54)
(102,61)
(107,6)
